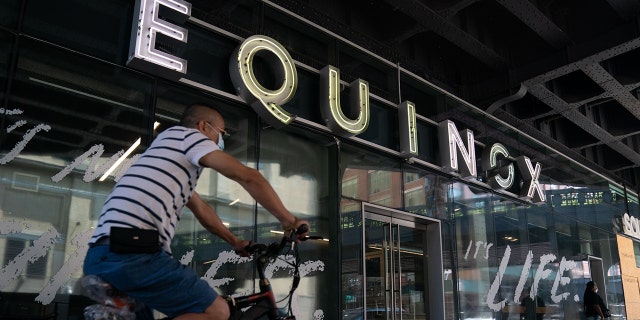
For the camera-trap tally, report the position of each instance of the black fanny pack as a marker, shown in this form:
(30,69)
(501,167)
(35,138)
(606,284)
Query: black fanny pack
(129,240)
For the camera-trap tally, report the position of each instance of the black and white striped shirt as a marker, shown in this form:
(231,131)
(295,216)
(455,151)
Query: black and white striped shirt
(155,189)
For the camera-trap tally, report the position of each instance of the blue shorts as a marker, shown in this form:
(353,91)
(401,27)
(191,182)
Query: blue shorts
(155,279)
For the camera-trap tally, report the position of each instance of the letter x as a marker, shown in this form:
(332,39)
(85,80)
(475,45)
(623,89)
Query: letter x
(531,188)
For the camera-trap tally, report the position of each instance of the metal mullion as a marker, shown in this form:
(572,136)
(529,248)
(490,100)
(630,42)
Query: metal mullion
(391,272)
(398,274)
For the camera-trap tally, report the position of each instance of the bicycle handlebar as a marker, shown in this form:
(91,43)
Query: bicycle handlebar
(274,248)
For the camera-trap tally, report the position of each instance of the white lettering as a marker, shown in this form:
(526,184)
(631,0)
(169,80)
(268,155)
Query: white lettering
(495,286)
(523,277)
(631,226)
(37,250)
(451,147)
(92,172)
(408,129)
(541,274)
(560,280)
(143,53)
(490,163)
(331,107)
(223,257)
(531,189)
(73,264)
(25,139)
(265,102)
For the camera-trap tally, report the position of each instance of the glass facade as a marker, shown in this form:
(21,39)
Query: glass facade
(407,236)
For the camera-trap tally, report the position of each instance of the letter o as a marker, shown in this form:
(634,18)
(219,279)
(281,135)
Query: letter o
(266,102)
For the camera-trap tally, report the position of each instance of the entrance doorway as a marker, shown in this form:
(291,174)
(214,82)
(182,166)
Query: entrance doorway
(596,270)
(402,266)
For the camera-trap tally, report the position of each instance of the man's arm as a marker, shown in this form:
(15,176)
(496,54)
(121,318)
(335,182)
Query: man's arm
(598,310)
(252,181)
(210,220)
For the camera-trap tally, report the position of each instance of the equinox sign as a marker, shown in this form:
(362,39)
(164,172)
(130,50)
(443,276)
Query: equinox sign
(457,148)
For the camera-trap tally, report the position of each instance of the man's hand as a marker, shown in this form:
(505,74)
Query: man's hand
(296,227)
(240,247)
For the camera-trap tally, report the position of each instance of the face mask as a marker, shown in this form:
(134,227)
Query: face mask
(220,141)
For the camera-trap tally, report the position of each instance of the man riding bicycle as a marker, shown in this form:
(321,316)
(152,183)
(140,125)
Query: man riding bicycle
(131,245)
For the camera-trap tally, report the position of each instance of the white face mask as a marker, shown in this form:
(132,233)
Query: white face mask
(220,141)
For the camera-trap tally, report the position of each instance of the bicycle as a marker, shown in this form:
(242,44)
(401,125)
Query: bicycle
(114,305)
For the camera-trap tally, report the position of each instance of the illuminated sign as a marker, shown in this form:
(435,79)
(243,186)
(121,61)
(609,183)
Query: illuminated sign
(331,108)
(456,156)
(490,158)
(408,129)
(531,188)
(267,103)
(457,148)
(143,53)
(452,148)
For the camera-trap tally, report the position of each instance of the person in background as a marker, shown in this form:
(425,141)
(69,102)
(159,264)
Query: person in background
(532,308)
(593,303)
(131,245)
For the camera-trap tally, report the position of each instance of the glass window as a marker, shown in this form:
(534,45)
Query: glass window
(352,278)
(414,197)
(379,181)
(69,119)
(379,178)
(477,250)
(299,166)
(350,188)
(425,193)
(99,28)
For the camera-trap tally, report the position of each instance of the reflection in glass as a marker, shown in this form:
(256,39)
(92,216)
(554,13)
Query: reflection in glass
(297,164)
(425,193)
(371,178)
(71,116)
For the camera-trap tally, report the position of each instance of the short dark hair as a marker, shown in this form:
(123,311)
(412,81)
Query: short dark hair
(194,113)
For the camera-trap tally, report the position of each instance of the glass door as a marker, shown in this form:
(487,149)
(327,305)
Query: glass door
(395,268)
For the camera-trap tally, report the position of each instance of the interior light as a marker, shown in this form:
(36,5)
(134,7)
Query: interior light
(119,161)
(125,155)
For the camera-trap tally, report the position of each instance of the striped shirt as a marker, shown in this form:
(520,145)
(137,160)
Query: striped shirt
(155,189)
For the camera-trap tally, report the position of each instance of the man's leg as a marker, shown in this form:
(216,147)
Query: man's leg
(218,310)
